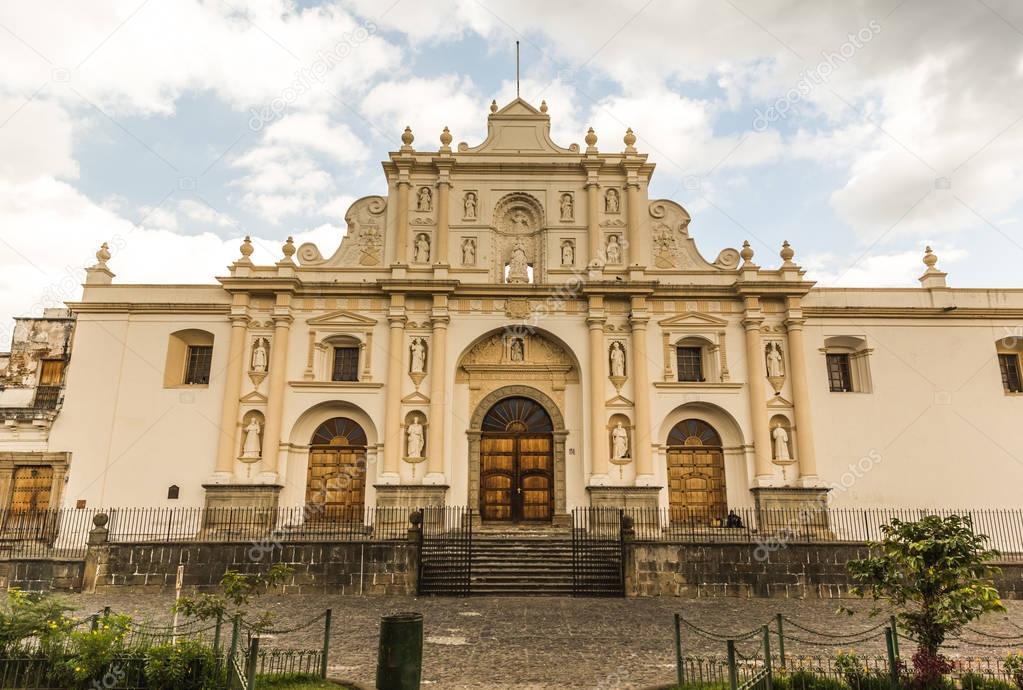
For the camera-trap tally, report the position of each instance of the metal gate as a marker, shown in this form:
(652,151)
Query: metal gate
(597,552)
(445,554)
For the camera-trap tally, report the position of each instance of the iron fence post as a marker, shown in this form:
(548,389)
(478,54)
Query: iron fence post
(893,669)
(781,640)
(250,671)
(678,650)
(326,643)
(235,630)
(767,654)
(733,673)
(216,633)
(895,635)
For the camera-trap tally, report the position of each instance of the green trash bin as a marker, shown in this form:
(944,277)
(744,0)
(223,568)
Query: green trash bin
(400,657)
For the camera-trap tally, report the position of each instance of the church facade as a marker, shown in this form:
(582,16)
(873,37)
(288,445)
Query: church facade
(516,327)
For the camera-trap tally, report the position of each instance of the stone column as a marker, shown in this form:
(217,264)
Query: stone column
(632,214)
(757,405)
(593,222)
(598,425)
(440,252)
(395,373)
(401,224)
(234,372)
(801,401)
(438,388)
(278,383)
(641,393)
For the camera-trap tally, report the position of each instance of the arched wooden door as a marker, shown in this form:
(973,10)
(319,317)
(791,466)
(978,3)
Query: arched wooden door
(696,473)
(336,478)
(517,463)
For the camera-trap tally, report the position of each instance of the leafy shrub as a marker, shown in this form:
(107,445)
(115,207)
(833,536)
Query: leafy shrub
(189,665)
(858,677)
(24,615)
(978,681)
(1013,666)
(806,680)
(92,653)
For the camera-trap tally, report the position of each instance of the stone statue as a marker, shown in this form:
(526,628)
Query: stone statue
(611,201)
(468,252)
(259,356)
(422,248)
(619,442)
(418,356)
(424,201)
(566,207)
(567,254)
(517,350)
(252,446)
(518,266)
(618,360)
(781,443)
(470,205)
(613,250)
(774,361)
(520,222)
(416,440)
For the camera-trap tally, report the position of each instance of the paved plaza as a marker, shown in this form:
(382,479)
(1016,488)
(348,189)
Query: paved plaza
(540,642)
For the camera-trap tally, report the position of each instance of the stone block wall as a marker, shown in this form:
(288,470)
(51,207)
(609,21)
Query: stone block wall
(350,568)
(41,575)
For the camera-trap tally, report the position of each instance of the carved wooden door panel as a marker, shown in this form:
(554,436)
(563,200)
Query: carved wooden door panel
(497,478)
(27,516)
(536,478)
(517,478)
(336,484)
(696,485)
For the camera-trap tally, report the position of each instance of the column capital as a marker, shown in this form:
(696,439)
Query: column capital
(795,323)
(283,320)
(639,321)
(752,323)
(395,320)
(596,322)
(440,320)
(241,320)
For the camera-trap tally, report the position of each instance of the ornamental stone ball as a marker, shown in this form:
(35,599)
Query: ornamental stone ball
(445,138)
(747,252)
(406,137)
(787,252)
(591,138)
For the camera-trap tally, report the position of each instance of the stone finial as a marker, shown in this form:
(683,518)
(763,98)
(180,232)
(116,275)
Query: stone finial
(630,140)
(407,138)
(100,273)
(543,106)
(932,277)
(493,106)
(786,253)
(746,253)
(246,249)
(930,259)
(591,140)
(103,255)
(289,249)
(445,139)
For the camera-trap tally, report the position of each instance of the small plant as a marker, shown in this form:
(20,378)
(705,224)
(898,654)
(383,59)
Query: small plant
(235,598)
(978,681)
(92,653)
(26,615)
(189,665)
(1013,667)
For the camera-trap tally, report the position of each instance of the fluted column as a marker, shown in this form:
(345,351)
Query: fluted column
(440,254)
(401,224)
(395,371)
(233,374)
(641,393)
(438,388)
(758,410)
(275,398)
(801,401)
(598,425)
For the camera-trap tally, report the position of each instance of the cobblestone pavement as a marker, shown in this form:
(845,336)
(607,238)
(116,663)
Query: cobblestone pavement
(540,642)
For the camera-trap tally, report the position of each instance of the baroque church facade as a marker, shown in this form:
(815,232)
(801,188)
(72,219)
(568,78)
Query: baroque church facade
(516,327)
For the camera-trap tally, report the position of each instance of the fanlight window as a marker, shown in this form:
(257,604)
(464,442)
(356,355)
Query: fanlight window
(694,432)
(339,431)
(518,415)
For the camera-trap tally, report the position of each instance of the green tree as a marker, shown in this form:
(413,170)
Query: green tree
(235,598)
(936,570)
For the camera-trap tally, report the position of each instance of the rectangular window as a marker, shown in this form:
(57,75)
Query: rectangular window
(690,363)
(346,364)
(52,372)
(1009,364)
(839,377)
(197,368)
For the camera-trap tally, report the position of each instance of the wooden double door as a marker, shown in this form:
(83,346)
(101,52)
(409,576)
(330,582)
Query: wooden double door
(336,477)
(517,463)
(696,474)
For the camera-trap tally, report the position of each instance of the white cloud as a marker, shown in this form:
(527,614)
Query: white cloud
(893,269)
(427,105)
(36,140)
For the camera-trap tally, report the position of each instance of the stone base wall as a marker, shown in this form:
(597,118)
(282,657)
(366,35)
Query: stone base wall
(42,575)
(815,571)
(349,568)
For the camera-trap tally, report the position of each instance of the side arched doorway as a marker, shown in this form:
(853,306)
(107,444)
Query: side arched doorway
(516,462)
(696,473)
(336,477)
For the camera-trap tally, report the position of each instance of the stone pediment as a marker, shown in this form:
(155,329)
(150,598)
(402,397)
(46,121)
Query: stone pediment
(362,245)
(341,317)
(693,319)
(673,249)
(518,128)
(516,357)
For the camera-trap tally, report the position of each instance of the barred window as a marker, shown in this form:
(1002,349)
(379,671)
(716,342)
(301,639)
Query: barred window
(197,369)
(839,376)
(1009,364)
(690,363)
(346,364)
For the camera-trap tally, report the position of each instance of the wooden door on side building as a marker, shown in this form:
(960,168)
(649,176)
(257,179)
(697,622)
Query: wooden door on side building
(696,474)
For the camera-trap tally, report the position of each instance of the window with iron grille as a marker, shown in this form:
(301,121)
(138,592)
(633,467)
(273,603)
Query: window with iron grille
(1009,364)
(197,369)
(46,397)
(690,363)
(346,364)
(839,376)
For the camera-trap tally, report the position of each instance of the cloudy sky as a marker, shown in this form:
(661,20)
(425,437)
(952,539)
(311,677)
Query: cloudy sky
(859,131)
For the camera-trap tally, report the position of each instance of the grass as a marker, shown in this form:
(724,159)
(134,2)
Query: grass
(297,681)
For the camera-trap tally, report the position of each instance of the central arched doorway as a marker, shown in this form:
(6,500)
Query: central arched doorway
(517,462)
(696,473)
(336,478)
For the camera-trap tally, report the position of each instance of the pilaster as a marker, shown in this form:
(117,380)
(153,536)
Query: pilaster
(598,443)
(233,375)
(395,370)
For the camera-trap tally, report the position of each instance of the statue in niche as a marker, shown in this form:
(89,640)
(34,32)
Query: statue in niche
(567,253)
(618,360)
(422,248)
(519,222)
(470,205)
(613,251)
(418,356)
(259,356)
(252,447)
(611,201)
(567,207)
(781,443)
(518,265)
(518,350)
(468,251)
(416,440)
(619,442)
(775,367)
(424,201)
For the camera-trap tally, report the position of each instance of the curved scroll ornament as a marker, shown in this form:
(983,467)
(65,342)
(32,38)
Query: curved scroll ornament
(673,248)
(362,245)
